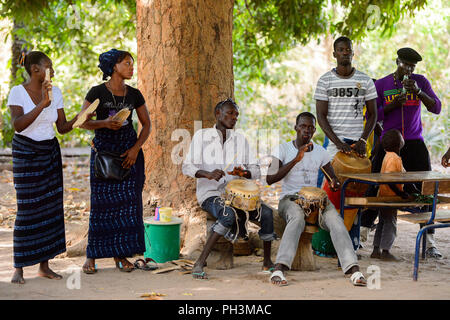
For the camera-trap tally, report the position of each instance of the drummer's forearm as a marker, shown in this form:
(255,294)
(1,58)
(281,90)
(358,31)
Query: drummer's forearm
(281,173)
(329,172)
(202,174)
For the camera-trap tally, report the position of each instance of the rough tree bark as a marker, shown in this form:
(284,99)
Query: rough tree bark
(185,66)
(16,49)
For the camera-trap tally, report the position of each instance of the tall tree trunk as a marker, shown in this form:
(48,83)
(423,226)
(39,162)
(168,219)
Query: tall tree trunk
(185,66)
(16,49)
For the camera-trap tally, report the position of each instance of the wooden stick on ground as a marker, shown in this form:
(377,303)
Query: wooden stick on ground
(166,269)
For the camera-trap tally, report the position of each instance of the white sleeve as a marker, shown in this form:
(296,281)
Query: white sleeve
(321,90)
(57,98)
(194,156)
(15,98)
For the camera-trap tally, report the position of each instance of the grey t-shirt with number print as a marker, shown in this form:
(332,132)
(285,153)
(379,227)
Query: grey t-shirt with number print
(346,98)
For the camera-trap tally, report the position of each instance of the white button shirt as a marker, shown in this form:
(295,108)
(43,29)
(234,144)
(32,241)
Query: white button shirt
(207,153)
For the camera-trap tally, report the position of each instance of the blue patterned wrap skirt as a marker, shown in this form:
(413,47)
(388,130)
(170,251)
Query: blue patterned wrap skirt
(39,233)
(116,227)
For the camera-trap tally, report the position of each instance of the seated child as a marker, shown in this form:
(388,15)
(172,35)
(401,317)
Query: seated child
(386,232)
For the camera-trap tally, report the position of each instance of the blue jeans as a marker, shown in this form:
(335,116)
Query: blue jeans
(226,219)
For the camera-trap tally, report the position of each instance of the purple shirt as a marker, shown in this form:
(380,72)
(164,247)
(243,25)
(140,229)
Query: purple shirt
(387,91)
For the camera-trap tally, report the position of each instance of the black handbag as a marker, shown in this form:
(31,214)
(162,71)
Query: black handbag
(108,166)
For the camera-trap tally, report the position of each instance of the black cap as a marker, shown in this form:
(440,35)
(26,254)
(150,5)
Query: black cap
(409,55)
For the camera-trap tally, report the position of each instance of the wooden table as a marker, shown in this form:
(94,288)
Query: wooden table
(399,178)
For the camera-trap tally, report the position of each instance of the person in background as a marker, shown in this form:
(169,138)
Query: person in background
(39,231)
(386,231)
(116,226)
(400,98)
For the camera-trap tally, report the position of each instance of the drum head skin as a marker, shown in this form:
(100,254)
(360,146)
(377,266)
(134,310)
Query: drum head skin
(312,193)
(243,186)
(351,162)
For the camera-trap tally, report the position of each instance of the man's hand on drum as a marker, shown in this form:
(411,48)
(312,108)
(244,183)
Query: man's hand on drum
(301,151)
(345,148)
(240,172)
(360,148)
(335,184)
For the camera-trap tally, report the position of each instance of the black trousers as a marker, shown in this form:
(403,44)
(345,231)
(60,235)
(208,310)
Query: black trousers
(415,157)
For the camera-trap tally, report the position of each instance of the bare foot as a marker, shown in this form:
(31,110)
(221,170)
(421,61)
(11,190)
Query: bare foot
(376,254)
(89,266)
(387,256)
(46,272)
(18,276)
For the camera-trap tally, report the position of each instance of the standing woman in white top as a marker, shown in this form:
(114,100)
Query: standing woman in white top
(39,233)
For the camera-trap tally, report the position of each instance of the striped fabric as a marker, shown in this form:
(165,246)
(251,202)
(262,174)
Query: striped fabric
(346,98)
(39,233)
(116,226)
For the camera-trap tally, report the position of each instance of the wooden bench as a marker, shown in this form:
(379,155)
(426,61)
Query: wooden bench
(440,216)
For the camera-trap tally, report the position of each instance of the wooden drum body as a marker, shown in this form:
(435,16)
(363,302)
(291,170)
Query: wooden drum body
(351,163)
(313,201)
(243,194)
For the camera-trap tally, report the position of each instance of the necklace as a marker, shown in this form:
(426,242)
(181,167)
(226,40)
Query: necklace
(394,75)
(114,99)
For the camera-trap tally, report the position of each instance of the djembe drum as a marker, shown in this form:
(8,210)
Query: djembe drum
(351,163)
(242,194)
(313,201)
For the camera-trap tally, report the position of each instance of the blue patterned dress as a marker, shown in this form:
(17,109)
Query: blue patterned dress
(116,226)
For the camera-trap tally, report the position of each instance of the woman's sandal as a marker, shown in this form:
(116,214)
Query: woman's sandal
(278,273)
(121,267)
(199,275)
(267,270)
(144,265)
(357,279)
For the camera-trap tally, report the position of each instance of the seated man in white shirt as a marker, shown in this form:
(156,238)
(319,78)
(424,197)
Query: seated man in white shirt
(296,163)
(210,152)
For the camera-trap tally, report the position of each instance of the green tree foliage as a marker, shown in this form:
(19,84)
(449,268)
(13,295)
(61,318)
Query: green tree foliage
(73,33)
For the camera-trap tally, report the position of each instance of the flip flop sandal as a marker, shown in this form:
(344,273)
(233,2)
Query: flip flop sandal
(280,275)
(357,279)
(267,270)
(200,275)
(144,265)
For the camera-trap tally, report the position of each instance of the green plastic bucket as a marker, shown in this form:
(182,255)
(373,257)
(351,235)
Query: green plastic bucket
(321,242)
(162,239)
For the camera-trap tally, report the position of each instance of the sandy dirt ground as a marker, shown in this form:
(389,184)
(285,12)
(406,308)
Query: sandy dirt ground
(244,281)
